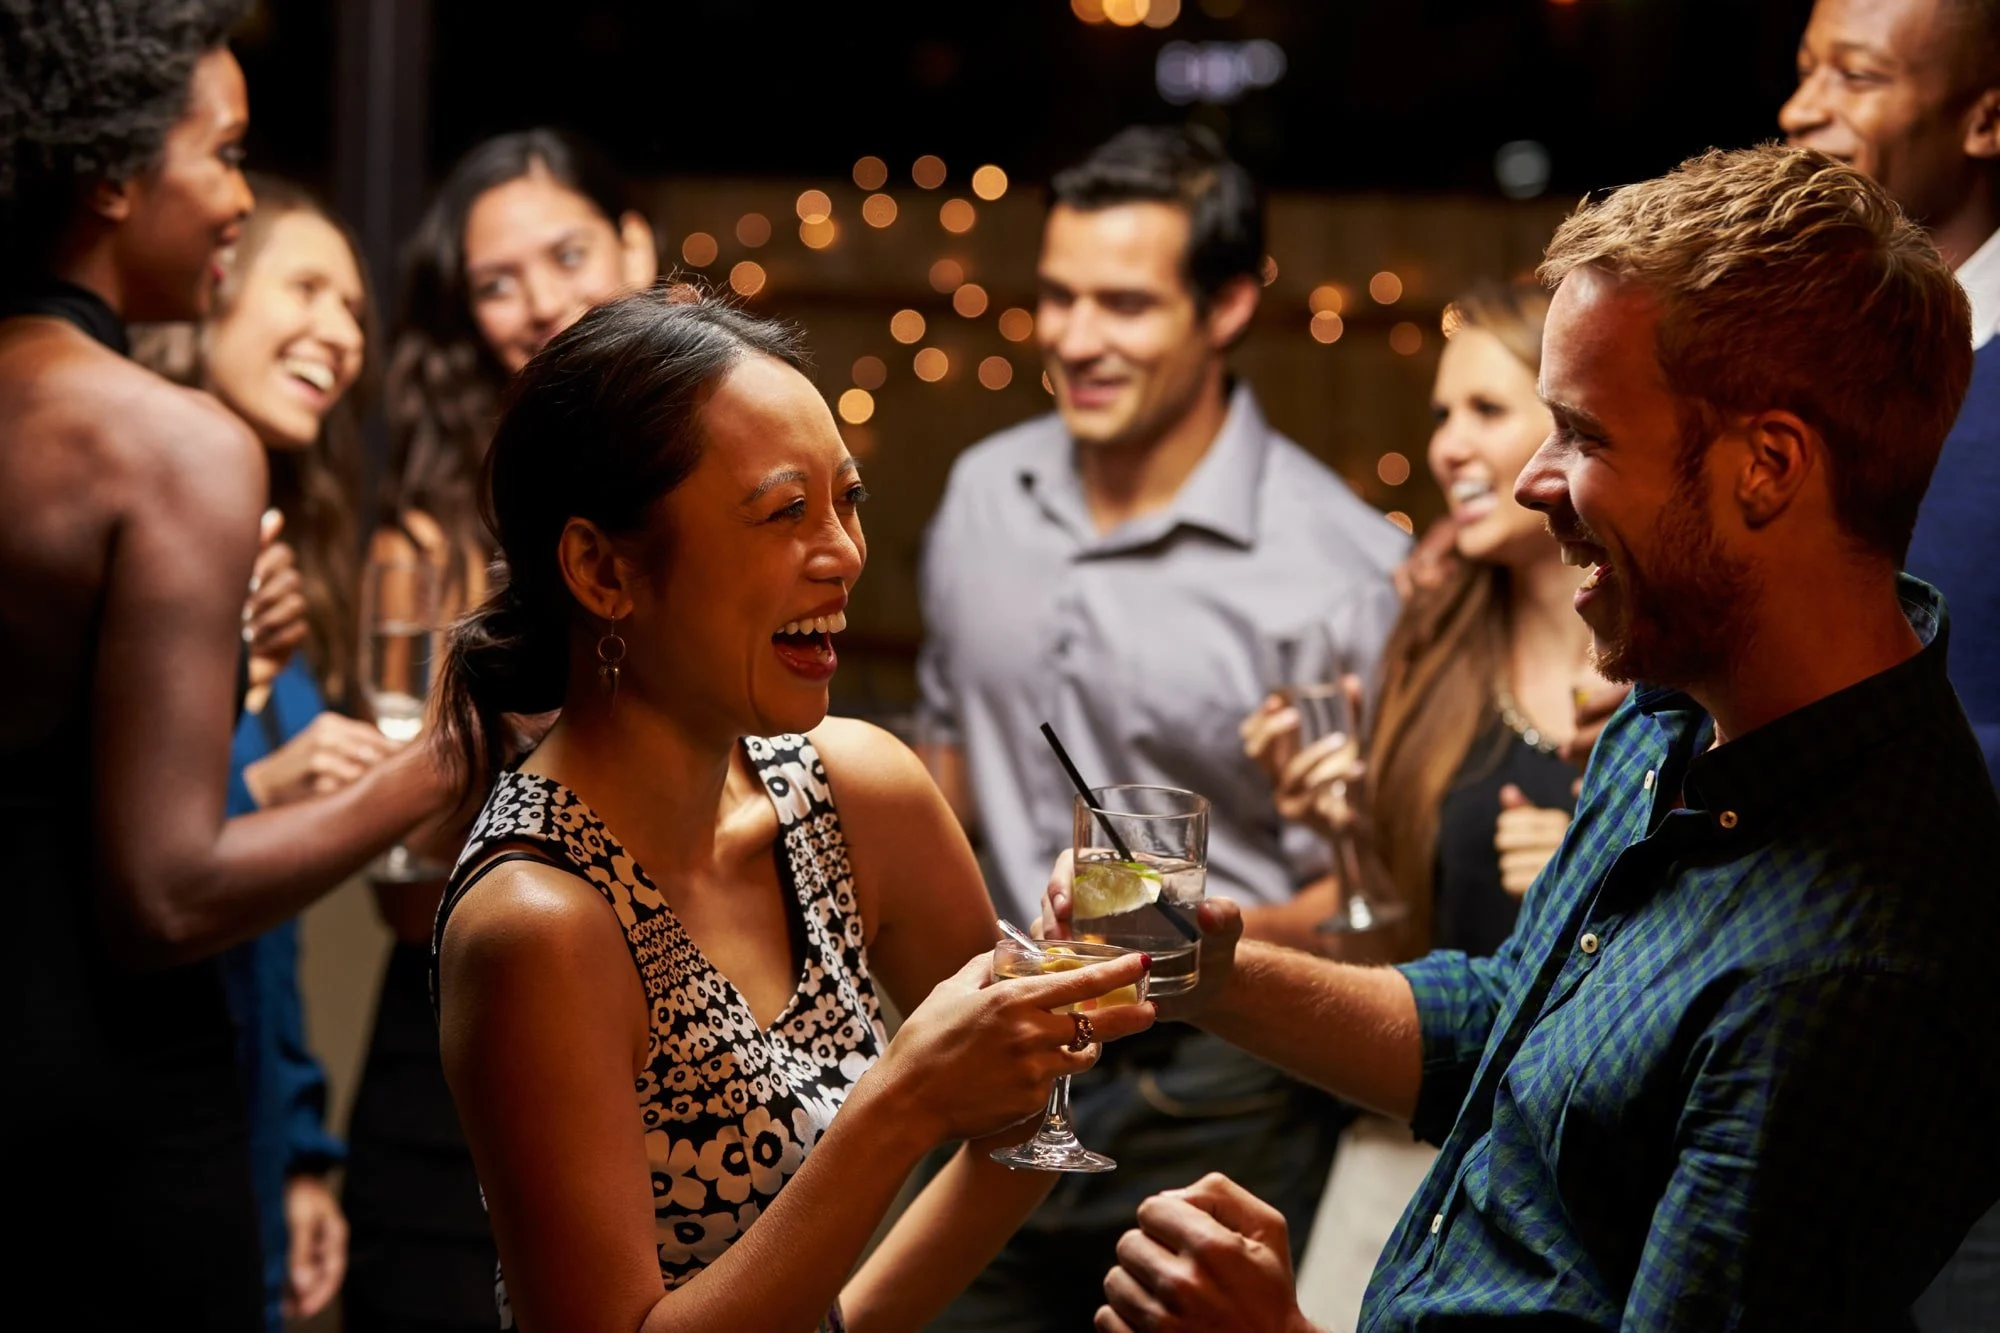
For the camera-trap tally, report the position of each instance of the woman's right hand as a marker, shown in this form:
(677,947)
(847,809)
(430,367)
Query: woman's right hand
(979,1055)
(329,753)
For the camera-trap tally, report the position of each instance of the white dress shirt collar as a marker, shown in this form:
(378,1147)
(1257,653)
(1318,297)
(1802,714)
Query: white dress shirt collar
(1980,276)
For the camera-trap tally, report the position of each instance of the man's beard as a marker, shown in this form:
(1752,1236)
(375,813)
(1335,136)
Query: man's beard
(1688,618)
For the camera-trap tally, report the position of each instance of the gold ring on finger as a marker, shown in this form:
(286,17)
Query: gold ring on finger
(1085,1033)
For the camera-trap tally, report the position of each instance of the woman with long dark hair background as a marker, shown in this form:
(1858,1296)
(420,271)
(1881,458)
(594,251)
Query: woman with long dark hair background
(526,232)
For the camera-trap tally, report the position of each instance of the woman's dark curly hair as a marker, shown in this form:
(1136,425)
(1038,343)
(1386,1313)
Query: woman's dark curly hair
(88,91)
(443,391)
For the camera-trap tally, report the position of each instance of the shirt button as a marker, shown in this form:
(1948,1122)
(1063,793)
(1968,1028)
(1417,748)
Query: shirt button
(1588,943)
(1437,1223)
(1647,785)
(1727,819)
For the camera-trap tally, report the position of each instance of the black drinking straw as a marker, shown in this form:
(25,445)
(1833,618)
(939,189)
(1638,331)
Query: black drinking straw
(1167,910)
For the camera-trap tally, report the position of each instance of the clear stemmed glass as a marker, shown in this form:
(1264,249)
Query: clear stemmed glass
(1333,709)
(1055,1147)
(400,626)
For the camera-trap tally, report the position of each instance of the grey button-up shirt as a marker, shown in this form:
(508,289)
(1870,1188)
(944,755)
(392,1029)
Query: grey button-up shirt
(1146,646)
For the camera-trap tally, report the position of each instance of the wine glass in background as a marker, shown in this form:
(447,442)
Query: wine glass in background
(1314,674)
(401,604)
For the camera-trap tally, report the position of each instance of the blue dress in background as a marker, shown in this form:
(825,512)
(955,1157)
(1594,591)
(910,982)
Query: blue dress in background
(285,1085)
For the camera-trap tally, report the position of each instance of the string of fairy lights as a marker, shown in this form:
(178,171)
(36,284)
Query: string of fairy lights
(819,229)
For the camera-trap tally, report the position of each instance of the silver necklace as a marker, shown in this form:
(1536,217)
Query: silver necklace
(1519,723)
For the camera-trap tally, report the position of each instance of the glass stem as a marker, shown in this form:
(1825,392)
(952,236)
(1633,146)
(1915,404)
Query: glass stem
(1055,1120)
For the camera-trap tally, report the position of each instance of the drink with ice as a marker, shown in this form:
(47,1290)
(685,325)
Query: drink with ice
(1143,896)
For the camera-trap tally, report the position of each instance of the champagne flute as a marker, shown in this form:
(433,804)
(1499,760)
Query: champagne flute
(1055,1146)
(400,615)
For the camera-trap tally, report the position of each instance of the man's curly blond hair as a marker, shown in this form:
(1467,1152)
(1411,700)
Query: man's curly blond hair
(1786,280)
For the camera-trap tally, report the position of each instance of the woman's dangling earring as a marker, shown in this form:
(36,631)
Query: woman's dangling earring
(610,657)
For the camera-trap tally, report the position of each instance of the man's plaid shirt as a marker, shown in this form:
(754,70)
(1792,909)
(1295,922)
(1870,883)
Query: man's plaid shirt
(1739,1064)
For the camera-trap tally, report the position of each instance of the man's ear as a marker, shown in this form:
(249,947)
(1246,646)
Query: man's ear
(598,577)
(1982,127)
(1781,454)
(1231,309)
(111,200)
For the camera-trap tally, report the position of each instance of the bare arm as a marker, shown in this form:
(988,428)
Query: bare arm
(928,911)
(544,1028)
(176,881)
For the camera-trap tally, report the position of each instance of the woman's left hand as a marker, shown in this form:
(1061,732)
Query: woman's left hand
(318,1261)
(1526,837)
(274,615)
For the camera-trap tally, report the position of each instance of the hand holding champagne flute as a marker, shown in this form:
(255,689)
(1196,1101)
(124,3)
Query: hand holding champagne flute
(401,602)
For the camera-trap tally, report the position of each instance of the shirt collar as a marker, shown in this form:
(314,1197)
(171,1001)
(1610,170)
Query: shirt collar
(1980,276)
(1219,496)
(1760,772)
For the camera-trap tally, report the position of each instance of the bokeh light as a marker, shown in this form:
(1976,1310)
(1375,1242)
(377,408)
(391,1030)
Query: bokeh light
(946,275)
(753,229)
(747,278)
(1126,13)
(1016,325)
(1401,520)
(818,235)
(1326,327)
(871,173)
(878,210)
(856,406)
(871,372)
(1090,11)
(928,171)
(814,206)
(699,249)
(1386,288)
(989,182)
(931,365)
(1162,13)
(1393,468)
(1269,270)
(906,326)
(996,372)
(1327,299)
(1407,339)
(969,300)
(957,216)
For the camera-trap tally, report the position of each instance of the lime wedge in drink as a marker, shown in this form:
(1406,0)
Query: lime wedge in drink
(1106,888)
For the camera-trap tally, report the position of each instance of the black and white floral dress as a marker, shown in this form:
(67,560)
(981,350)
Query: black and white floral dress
(730,1109)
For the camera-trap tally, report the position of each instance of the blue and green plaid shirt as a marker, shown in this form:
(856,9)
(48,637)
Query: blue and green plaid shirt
(1738,1067)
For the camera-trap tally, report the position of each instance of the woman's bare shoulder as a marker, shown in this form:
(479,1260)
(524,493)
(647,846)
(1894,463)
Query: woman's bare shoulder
(866,763)
(530,913)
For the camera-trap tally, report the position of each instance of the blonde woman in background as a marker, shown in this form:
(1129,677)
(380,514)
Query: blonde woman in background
(1467,787)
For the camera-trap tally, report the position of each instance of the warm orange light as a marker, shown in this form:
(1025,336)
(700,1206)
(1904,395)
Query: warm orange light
(753,229)
(818,235)
(870,372)
(1326,327)
(1016,325)
(1163,13)
(814,206)
(1386,288)
(957,216)
(996,372)
(989,182)
(1126,13)
(1327,299)
(856,406)
(1406,338)
(1396,516)
(747,278)
(1269,270)
(946,275)
(871,173)
(969,300)
(906,326)
(1392,468)
(699,249)
(878,210)
(1090,11)
(931,365)
(928,171)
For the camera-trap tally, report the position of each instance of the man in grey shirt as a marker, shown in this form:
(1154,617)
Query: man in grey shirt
(1131,569)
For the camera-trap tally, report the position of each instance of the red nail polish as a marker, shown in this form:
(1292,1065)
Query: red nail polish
(1145,962)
